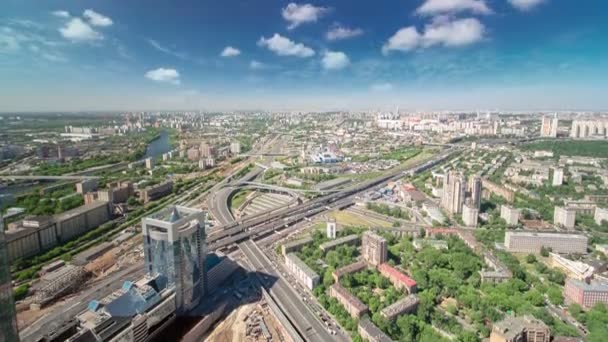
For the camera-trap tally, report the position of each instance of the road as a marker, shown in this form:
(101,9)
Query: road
(305,322)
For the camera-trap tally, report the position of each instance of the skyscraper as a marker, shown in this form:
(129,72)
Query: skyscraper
(374,248)
(454,190)
(8,322)
(174,246)
(475,190)
(548,127)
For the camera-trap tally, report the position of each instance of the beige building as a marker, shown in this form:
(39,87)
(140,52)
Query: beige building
(564,217)
(601,214)
(470,215)
(374,248)
(520,329)
(304,274)
(510,215)
(531,242)
(454,192)
(352,304)
(548,127)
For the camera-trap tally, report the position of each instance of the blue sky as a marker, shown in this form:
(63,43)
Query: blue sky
(321,55)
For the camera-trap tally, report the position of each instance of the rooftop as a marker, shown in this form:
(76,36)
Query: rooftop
(339,241)
(540,234)
(401,277)
(301,265)
(373,330)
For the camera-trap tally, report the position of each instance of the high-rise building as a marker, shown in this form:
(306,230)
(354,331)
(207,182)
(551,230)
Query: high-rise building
(331,228)
(8,321)
(558,177)
(589,128)
(475,190)
(235,147)
(549,127)
(454,191)
(174,246)
(149,163)
(509,214)
(470,214)
(564,217)
(374,248)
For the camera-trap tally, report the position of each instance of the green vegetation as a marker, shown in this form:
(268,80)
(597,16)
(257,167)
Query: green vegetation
(239,198)
(596,321)
(598,149)
(49,204)
(388,211)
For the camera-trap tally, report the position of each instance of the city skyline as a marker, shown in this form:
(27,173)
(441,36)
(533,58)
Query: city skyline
(323,55)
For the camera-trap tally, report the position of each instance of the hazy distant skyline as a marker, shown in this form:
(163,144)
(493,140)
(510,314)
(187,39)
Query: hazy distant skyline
(321,55)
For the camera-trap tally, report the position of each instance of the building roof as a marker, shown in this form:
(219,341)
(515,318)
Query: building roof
(351,299)
(372,330)
(540,234)
(80,210)
(400,306)
(339,241)
(301,265)
(350,268)
(399,276)
(593,286)
(299,242)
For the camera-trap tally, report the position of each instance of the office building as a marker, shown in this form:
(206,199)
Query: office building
(235,147)
(470,213)
(86,185)
(454,192)
(558,177)
(564,217)
(149,163)
(175,250)
(370,332)
(331,228)
(154,192)
(8,321)
(600,215)
(529,242)
(352,304)
(304,274)
(475,190)
(374,248)
(403,306)
(520,329)
(548,127)
(509,214)
(349,240)
(397,278)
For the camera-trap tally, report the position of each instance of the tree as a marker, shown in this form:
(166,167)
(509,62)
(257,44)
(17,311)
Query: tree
(530,259)
(544,251)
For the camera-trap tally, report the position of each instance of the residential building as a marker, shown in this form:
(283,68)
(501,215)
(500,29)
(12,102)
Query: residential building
(370,332)
(117,192)
(558,177)
(520,329)
(585,294)
(475,190)
(601,215)
(301,271)
(154,192)
(582,129)
(437,244)
(86,185)
(564,217)
(8,314)
(397,278)
(492,188)
(470,214)
(454,191)
(374,248)
(175,251)
(549,127)
(403,306)
(573,269)
(352,304)
(351,268)
(531,242)
(509,214)
(331,228)
(350,240)
(235,147)
(149,163)
(295,245)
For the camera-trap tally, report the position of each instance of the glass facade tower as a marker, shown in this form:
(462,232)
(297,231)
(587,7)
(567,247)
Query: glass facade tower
(175,250)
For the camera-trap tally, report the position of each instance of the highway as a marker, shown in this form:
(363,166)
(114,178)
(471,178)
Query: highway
(306,323)
(219,204)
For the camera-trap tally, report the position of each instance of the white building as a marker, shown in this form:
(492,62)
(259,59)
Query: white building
(469,215)
(564,217)
(601,214)
(509,214)
(558,177)
(304,274)
(235,147)
(331,228)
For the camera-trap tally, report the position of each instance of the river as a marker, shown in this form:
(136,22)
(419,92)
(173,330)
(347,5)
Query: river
(159,146)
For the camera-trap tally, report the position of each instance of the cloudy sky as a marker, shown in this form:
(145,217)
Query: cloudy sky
(321,55)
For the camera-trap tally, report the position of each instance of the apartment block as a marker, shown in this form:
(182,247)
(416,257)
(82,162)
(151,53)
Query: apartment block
(374,248)
(304,274)
(352,304)
(397,278)
(531,242)
(564,217)
(510,215)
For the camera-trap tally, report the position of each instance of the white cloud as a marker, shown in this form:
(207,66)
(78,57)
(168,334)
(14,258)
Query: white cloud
(229,51)
(440,32)
(77,30)
(255,65)
(285,47)
(61,14)
(339,32)
(434,7)
(167,50)
(525,5)
(96,19)
(334,60)
(163,75)
(300,14)
(382,87)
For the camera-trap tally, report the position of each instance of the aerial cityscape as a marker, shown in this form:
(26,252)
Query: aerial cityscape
(424,170)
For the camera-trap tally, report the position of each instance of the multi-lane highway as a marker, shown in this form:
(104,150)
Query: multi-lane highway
(305,322)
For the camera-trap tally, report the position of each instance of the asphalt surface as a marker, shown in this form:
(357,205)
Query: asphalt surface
(305,322)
